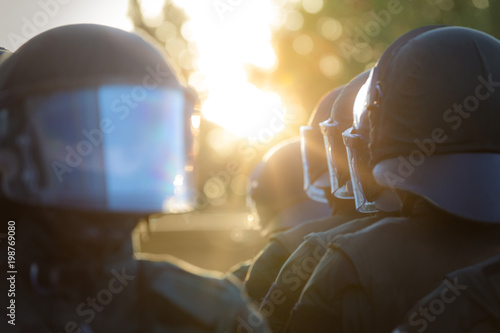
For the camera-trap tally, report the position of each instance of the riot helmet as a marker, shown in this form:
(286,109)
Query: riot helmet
(368,195)
(277,194)
(92,118)
(434,121)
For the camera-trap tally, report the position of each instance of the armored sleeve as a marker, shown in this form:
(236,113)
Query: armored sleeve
(264,270)
(333,299)
(297,270)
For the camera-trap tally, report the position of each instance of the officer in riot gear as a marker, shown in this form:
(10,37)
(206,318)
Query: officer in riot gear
(276,195)
(268,263)
(368,280)
(277,192)
(296,271)
(94,135)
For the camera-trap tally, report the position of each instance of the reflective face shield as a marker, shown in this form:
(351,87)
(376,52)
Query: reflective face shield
(316,180)
(330,130)
(356,144)
(115,148)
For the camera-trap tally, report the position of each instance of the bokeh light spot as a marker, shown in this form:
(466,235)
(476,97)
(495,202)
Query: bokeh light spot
(303,44)
(221,141)
(481,4)
(294,20)
(330,65)
(240,185)
(166,31)
(214,188)
(330,28)
(152,11)
(312,6)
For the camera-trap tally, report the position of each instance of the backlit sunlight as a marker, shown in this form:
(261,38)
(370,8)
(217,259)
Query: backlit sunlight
(231,36)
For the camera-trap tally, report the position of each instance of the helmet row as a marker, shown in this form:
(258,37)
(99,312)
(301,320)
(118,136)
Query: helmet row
(422,120)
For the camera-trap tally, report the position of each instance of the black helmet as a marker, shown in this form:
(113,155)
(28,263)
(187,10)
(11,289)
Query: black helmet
(316,181)
(435,121)
(368,195)
(277,190)
(92,118)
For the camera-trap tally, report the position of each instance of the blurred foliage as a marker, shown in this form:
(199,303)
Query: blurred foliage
(166,33)
(365,29)
(317,50)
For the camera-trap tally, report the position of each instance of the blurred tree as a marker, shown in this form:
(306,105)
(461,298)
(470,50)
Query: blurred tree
(164,29)
(324,44)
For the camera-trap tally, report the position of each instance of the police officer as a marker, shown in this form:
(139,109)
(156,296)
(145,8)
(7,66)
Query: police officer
(95,135)
(468,300)
(432,109)
(268,262)
(296,271)
(276,194)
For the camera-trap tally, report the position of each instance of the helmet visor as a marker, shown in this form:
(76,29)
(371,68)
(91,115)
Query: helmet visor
(359,108)
(353,142)
(114,148)
(329,129)
(316,183)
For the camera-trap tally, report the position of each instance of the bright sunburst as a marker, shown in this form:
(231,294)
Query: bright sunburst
(230,36)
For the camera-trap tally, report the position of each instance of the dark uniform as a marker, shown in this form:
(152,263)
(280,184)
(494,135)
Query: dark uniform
(296,271)
(266,267)
(268,262)
(298,268)
(468,300)
(95,134)
(277,195)
(368,280)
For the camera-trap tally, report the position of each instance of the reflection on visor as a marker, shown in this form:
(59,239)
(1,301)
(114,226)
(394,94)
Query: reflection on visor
(360,104)
(328,129)
(353,142)
(313,184)
(115,148)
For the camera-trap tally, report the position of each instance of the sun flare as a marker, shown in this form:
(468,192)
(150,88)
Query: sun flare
(231,36)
